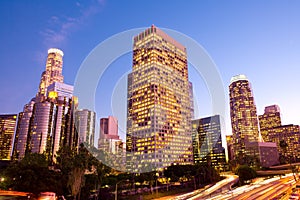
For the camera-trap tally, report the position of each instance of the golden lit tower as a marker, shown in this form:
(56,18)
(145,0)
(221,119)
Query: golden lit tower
(7,131)
(53,72)
(159,105)
(270,119)
(243,114)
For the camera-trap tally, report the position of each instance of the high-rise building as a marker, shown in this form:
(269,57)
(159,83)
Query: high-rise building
(110,142)
(62,89)
(159,106)
(52,125)
(207,141)
(47,121)
(85,125)
(7,131)
(22,131)
(270,119)
(109,134)
(53,72)
(290,135)
(243,114)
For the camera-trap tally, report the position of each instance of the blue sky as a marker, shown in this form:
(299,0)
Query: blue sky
(258,39)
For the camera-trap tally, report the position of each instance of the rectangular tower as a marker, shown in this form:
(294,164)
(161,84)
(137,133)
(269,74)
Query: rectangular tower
(207,141)
(7,131)
(159,107)
(270,119)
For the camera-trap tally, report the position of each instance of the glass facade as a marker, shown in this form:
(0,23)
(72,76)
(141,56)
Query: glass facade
(243,114)
(85,125)
(207,141)
(7,132)
(48,121)
(21,137)
(159,104)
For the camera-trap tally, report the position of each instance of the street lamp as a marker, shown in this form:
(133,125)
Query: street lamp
(116,191)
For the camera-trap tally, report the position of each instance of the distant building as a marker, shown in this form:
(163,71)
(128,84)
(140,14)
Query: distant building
(207,141)
(7,131)
(243,114)
(289,134)
(267,153)
(85,125)
(270,119)
(110,142)
(159,109)
(108,134)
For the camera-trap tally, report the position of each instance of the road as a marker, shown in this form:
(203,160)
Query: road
(204,192)
(264,189)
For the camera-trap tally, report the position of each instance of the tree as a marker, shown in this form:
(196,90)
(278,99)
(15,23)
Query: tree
(245,173)
(31,174)
(283,145)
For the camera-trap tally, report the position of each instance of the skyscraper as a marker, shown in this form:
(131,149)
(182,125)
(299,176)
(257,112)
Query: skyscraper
(270,119)
(7,131)
(47,121)
(290,135)
(109,134)
(110,142)
(159,106)
(53,72)
(85,125)
(23,127)
(207,141)
(243,114)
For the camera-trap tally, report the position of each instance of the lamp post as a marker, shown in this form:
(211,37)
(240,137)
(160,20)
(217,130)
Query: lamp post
(116,191)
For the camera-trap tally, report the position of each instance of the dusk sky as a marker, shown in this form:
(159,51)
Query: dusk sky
(258,39)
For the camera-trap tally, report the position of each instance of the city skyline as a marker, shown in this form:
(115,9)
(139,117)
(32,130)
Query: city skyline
(254,40)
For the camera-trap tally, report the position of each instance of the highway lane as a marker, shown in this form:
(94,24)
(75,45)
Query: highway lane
(268,191)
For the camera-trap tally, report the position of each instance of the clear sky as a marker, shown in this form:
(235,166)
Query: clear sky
(255,38)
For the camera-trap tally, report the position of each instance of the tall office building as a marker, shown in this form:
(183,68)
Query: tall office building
(159,106)
(207,141)
(243,114)
(47,121)
(270,119)
(85,124)
(53,72)
(289,134)
(108,134)
(21,136)
(110,142)
(7,131)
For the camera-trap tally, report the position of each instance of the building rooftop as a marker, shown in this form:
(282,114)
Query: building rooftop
(239,77)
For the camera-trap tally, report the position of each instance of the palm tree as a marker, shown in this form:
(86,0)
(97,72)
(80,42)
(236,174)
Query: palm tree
(283,145)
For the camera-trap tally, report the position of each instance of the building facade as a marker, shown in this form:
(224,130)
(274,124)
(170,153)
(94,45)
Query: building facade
(159,108)
(266,152)
(7,130)
(243,114)
(207,141)
(270,119)
(53,72)
(85,125)
(110,142)
(290,135)
(48,121)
